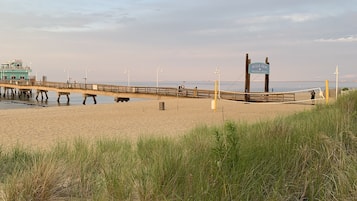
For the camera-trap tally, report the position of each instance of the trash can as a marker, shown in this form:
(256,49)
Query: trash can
(161,105)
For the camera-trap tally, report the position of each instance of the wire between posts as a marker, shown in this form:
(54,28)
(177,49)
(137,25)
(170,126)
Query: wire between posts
(318,89)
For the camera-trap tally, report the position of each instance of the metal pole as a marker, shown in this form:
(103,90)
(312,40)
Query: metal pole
(336,81)
(67,71)
(157,80)
(128,77)
(327,91)
(85,78)
(157,77)
(127,71)
(215,95)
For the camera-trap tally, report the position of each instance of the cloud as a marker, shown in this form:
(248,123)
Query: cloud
(186,33)
(351,38)
(296,17)
(301,17)
(64,17)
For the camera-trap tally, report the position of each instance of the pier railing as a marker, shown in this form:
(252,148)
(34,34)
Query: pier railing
(108,89)
(141,91)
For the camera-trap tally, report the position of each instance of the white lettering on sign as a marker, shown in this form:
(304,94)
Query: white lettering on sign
(259,68)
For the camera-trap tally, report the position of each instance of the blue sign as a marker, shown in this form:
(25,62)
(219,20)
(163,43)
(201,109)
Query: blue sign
(259,68)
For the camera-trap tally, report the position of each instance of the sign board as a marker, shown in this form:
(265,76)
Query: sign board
(259,68)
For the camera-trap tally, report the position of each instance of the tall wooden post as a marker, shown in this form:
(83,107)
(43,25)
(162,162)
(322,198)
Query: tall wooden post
(266,77)
(247,78)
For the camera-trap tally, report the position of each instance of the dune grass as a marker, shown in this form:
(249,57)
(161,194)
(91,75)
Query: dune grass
(311,155)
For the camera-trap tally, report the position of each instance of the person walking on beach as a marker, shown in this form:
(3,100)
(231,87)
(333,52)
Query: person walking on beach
(313,97)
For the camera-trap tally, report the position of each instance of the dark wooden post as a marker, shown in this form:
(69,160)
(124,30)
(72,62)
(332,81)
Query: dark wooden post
(266,77)
(247,78)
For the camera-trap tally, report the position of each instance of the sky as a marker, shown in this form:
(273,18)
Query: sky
(186,40)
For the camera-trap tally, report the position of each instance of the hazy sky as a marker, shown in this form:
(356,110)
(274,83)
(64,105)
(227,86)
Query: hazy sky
(187,39)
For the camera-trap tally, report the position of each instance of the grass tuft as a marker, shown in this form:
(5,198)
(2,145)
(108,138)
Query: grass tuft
(311,155)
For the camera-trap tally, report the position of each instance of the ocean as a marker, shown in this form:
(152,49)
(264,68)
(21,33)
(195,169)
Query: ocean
(235,86)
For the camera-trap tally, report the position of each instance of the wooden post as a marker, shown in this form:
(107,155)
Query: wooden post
(266,77)
(67,98)
(84,99)
(247,78)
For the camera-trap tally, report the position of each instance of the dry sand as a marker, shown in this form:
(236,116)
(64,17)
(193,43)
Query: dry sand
(40,128)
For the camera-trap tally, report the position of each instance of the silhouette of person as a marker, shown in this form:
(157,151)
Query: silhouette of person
(313,97)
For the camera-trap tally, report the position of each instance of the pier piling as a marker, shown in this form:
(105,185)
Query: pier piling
(63,93)
(89,95)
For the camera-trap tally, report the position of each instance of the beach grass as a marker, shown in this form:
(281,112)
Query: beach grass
(311,155)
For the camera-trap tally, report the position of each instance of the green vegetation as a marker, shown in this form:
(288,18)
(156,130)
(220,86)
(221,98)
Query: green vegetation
(311,155)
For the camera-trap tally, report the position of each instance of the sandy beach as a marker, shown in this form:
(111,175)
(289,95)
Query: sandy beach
(41,128)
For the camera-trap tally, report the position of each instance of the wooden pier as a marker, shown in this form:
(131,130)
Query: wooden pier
(127,92)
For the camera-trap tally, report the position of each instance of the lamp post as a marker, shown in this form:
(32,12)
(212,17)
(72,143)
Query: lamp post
(336,73)
(29,70)
(127,72)
(85,78)
(158,70)
(218,72)
(68,78)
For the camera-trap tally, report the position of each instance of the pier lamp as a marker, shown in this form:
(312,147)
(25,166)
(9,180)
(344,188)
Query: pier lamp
(336,73)
(68,77)
(127,72)
(158,70)
(85,78)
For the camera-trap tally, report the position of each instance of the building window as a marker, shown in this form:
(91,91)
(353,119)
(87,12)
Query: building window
(22,77)
(13,77)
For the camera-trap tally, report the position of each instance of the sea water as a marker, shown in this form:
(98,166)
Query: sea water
(233,86)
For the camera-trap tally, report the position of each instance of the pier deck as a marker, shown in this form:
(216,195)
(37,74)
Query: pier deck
(139,92)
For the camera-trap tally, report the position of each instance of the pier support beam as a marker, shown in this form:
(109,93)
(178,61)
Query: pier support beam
(63,93)
(12,91)
(41,92)
(26,92)
(89,95)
